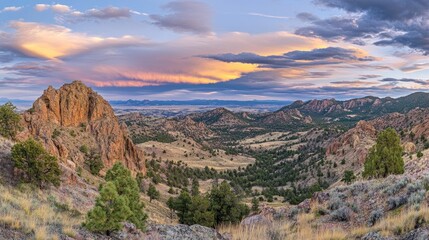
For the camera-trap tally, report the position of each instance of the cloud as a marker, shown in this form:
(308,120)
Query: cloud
(54,42)
(67,13)
(42,7)
(307,17)
(186,16)
(11,9)
(352,29)
(414,67)
(105,13)
(369,76)
(293,59)
(136,62)
(406,80)
(57,8)
(392,10)
(384,23)
(268,16)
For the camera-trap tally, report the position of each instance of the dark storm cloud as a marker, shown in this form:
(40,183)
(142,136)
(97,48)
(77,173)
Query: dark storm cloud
(322,56)
(383,22)
(352,29)
(185,16)
(391,10)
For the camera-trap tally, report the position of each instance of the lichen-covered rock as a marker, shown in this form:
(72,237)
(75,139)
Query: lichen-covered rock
(417,234)
(76,106)
(182,232)
(265,216)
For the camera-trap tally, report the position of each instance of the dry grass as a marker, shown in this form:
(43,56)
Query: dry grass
(396,224)
(283,230)
(194,156)
(307,227)
(31,213)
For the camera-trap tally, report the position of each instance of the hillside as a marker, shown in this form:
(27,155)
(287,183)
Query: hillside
(292,160)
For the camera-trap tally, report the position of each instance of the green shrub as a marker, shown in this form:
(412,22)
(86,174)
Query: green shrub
(225,205)
(348,177)
(385,157)
(9,121)
(255,204)
(127,186)
(84,149)
(37,165)
(152,192)
(110,210)
(94,162)
(56,133)
(73,133)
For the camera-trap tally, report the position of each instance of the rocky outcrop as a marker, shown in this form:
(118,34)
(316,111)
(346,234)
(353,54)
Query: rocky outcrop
(286,117)
(219,117)
(357,140)
(182,232)
(82,113)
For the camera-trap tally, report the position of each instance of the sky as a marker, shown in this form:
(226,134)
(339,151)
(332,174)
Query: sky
(216,49)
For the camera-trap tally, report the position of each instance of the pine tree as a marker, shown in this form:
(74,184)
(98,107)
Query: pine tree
(109,212)
(182,205)
(127,186)
(9,121)
(195,187)
(348,177)
(255,204)
(38,166)
(200,213)
(225,205)
(152,192)
(385,157)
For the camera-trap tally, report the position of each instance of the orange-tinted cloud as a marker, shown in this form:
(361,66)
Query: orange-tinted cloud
(54,42)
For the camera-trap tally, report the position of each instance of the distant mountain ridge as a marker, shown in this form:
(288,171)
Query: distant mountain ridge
(196,102)
(364,107)
(300,113)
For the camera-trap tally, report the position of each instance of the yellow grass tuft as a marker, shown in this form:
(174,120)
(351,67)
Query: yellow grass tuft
(31,213)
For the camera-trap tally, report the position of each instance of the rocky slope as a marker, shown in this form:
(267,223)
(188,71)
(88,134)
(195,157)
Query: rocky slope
(75,115)
(220,117)
(286,117)
(413,127)
(360,108)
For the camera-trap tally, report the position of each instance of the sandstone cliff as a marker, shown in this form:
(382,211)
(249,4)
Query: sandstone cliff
(75,115)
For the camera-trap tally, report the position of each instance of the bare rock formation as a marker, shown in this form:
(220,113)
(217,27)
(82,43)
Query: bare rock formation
(73,115)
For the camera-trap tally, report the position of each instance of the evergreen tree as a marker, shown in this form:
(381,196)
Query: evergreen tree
(225,205)
(385,157)
(37,165)
(182,205)
(9,121)
(195,187)
(94,162)
(152,192)
(200,213)
(170,205)
(348,177)
(255,204)
(109,212)
(127,186)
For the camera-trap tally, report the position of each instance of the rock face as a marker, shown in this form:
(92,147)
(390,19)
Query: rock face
(286,116)
(357,141)
(77,108)
(182,232)
(219,117)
